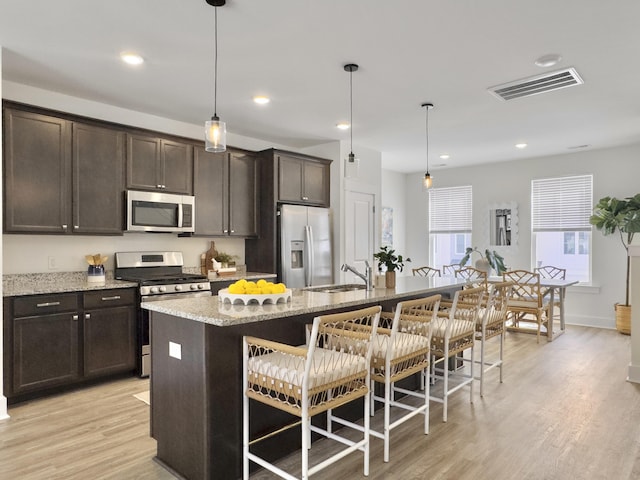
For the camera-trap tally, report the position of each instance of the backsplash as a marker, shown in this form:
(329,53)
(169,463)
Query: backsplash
(65,253)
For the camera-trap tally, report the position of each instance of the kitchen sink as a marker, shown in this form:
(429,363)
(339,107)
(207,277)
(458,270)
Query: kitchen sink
(340,288)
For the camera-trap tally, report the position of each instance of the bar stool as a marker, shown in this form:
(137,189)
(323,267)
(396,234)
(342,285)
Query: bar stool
(453,332)
(401,349)
(333,369)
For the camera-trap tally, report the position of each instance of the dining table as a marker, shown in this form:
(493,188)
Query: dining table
(553,286)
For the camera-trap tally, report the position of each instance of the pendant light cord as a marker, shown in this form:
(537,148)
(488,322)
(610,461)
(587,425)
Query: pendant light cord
(427,135)
(351,107)
(215,66)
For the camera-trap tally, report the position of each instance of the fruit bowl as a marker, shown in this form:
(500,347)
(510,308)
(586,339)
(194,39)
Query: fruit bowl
(247,298)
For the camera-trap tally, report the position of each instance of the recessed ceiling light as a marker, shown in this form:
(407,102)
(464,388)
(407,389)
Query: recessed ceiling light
(521,145)
(261,99)
(131,58)
(343,126)
(548,60)
(445,156)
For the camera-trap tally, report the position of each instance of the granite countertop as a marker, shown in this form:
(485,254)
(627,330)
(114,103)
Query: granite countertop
(211,310)
(239,275)
(18,284)
(14,285)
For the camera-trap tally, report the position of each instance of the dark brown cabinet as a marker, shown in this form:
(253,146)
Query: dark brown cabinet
(62,176)
(109,329)
(285,177)
(44,346)
(159,164)
(226,191)
(303,180)
(54,341)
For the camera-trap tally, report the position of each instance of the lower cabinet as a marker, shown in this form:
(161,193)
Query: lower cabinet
(52,341)
(109,333)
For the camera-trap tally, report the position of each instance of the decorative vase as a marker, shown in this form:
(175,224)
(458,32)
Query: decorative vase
(95,274)
(623,318)
(390,279)
(484,265)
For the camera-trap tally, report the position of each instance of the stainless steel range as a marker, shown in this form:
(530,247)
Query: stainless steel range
(160,277)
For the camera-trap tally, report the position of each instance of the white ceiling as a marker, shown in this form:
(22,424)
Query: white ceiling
(409,52)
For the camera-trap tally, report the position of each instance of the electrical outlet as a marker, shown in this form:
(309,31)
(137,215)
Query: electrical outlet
(52,263)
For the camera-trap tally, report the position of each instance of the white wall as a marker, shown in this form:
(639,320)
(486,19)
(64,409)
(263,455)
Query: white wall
(615,171)
(393,196)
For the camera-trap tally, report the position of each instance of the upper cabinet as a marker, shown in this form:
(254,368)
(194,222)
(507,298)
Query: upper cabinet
(226,190)
(159,164)
(303,180)
(61,176)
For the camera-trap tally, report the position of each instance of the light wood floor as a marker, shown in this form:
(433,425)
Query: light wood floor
(564,411)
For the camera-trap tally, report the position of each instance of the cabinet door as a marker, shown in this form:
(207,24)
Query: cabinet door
(109,340)
(143,163)
(210,189)
(243,194)
(316,183)
(289,179)
(37,159)
(177,167)
(45,351)
(98,180)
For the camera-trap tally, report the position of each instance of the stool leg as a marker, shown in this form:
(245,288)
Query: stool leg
(387,414)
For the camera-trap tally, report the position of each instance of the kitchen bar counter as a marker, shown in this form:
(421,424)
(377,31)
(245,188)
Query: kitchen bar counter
(211,310)
(196,371)
(246,276)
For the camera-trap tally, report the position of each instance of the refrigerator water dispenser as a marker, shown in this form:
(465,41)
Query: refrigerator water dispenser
(297,250)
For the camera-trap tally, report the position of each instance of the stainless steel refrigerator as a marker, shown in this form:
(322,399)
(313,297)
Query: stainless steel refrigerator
(305,246)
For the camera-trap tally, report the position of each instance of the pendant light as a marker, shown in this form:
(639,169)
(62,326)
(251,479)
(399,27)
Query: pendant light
(351,167)
(428,180)
(215,131)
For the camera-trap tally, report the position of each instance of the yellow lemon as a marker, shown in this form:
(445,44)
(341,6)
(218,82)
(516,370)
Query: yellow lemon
(261,283)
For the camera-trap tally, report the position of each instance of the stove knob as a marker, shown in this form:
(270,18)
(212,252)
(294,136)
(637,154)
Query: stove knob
(153,289)
(178,288)
(200,286)
(163,288)
(192,287)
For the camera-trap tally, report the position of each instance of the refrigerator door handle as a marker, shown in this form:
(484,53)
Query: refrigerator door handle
(308,246)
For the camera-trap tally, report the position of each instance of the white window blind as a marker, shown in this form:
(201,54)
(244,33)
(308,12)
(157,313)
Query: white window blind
(450,210)
(561,204)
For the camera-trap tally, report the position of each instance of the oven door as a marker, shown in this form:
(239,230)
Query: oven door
(144,333)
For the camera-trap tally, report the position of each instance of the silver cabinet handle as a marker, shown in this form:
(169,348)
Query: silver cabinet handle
(47,304)
(87,316)
(163,186)
(233,231)
(76,226)
(64,226)
(305,198)
(158,186)
(74,317)
(115,297)
(225,231)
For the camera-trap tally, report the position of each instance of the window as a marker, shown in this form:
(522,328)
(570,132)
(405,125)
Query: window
(450,214)
(561,232)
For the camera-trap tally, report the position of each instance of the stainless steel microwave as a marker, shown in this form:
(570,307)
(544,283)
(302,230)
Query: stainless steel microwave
(159,212)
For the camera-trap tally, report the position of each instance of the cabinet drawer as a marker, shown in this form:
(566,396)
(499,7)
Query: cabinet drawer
(109,298)
(44,304)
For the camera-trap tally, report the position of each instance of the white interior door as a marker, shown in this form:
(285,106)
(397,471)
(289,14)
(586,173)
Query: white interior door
(359,231)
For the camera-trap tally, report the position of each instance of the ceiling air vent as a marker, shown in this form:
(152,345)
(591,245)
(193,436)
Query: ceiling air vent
(539,84)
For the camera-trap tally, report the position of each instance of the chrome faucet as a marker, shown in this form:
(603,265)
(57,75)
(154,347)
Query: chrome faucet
(367,276)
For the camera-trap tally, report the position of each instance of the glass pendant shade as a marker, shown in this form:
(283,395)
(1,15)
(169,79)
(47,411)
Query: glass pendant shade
(427,181)
(215,135)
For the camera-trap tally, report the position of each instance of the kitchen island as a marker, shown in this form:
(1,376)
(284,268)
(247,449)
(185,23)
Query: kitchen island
(196,391)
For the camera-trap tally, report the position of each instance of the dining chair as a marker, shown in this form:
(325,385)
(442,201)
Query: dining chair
(549,271)
(452,333)
(426,272)
(332,370)
(527,302)
(401,349)
(450,270)
(491,324)
(473,276)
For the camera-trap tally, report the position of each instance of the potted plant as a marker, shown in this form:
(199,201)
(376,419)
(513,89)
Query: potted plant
(226,259)
(387,257)
(490,259)
(611,215)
